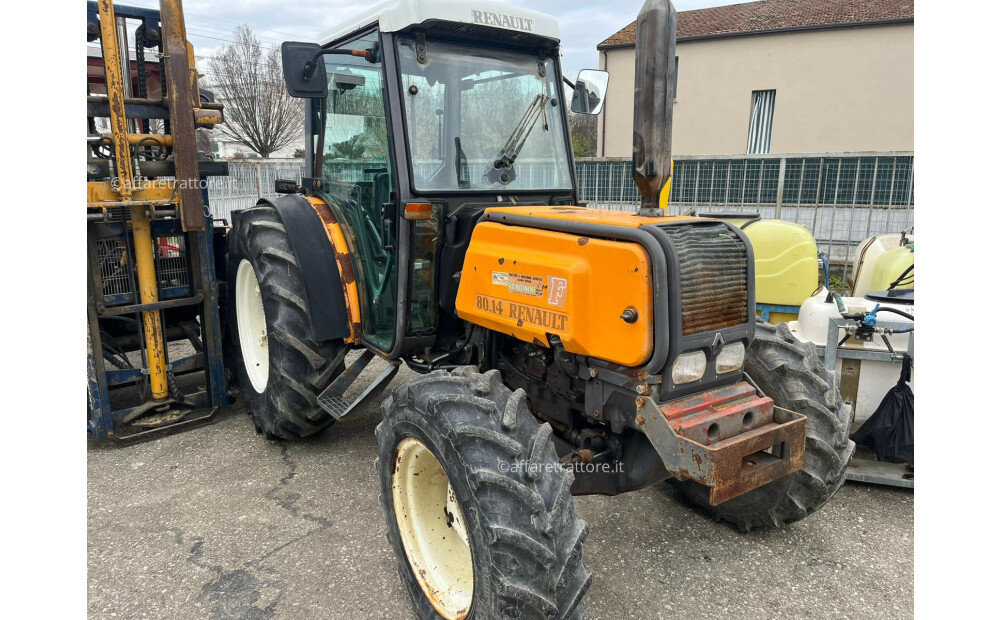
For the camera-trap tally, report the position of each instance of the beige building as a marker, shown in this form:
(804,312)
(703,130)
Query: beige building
(777,76)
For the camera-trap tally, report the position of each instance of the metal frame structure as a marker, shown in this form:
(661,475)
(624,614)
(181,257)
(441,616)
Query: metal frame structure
(766,310)
(131,215)
(863,469)
(831,351)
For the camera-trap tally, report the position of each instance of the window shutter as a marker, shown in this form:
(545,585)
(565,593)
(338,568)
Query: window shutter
(761,120)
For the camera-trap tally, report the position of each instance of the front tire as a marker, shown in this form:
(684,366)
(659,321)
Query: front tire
(483,527)
(281,368)
(791,373)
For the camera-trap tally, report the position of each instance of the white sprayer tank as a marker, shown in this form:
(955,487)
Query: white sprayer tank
(876,377)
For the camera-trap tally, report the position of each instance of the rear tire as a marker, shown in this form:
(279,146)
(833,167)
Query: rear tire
(790,372)
(281,369)
(524,536)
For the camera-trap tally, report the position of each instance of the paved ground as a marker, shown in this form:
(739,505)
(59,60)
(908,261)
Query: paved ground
(218,523)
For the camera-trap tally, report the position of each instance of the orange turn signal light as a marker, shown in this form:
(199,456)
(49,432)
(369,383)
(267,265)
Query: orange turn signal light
(417,211)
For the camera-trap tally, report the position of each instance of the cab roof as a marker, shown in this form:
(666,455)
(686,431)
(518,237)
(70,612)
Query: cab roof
(396,15)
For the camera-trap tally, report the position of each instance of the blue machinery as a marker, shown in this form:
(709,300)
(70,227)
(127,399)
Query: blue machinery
(766,310)
(189,303)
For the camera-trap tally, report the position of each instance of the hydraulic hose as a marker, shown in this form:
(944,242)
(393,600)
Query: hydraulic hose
(901,277)
(426,367)
(894,311)
(840,303)
(114,361)
(175,390)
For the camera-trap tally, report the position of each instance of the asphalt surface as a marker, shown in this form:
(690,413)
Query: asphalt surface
(218,523)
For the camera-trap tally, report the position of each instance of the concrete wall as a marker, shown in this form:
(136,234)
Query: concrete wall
(847,89)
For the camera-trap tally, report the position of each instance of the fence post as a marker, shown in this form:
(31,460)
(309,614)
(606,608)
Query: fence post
(850,224)
(760,184)
(781,188)
(711,186)
(743,183)
(819,189)
(871,200)
(260,194)
(909,192)
(697,181)
(833,214)
(729,178)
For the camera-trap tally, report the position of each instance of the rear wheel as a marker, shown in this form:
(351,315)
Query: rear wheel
(478,509)
(791,373)
(281,369)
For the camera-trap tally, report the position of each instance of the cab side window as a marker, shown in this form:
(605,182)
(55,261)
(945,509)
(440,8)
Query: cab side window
(357,168)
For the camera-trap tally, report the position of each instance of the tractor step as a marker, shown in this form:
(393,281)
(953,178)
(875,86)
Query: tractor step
(731,439)
(332,400)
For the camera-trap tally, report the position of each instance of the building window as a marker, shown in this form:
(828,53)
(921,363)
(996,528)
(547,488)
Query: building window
(761,121)
(677,65)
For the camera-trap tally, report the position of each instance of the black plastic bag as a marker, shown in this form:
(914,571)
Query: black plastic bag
(889,432)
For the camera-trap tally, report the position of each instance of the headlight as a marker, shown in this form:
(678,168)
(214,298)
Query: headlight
(689,367)
(730,358)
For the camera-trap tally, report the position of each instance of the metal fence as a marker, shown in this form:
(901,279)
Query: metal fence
(842,198)
(247,182)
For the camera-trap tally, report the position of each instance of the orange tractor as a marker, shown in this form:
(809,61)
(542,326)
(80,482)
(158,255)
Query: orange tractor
(562,350)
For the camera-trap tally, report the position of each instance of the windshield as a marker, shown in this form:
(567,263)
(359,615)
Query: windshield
(483,119)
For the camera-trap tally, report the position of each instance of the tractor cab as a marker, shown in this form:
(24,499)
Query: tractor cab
(419,117)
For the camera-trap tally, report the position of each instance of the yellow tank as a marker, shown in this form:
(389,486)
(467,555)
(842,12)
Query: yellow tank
(785,261)
(889,266)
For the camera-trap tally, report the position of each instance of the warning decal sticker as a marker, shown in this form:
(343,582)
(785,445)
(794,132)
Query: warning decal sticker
(518,283)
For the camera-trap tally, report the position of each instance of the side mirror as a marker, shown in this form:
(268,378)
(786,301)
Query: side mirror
(591,88)
(305,73)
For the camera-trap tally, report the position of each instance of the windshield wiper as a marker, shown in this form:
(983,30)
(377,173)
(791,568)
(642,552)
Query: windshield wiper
(503,167)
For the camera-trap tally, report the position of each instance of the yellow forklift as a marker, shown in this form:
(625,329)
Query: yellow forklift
(153,249)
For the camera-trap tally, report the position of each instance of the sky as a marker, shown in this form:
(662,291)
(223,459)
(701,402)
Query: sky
(583,23)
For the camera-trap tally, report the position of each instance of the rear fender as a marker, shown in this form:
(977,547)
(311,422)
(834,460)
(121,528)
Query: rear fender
(314,234)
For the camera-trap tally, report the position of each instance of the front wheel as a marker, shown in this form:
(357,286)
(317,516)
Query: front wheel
(478,509)
(792,374)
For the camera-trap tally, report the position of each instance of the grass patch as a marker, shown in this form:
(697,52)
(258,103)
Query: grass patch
(836,279)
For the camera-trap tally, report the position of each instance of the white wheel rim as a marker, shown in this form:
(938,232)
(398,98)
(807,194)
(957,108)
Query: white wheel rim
(432,528)
(252,325)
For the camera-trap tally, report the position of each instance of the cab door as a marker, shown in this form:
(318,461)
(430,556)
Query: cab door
(351,138)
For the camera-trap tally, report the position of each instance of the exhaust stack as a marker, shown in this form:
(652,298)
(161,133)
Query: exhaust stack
(655,49)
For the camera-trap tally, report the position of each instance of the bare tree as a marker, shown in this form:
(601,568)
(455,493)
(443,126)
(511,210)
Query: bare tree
(247,77)
(204,140)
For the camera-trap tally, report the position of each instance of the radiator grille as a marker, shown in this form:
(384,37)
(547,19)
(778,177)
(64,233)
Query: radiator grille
(713,273)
